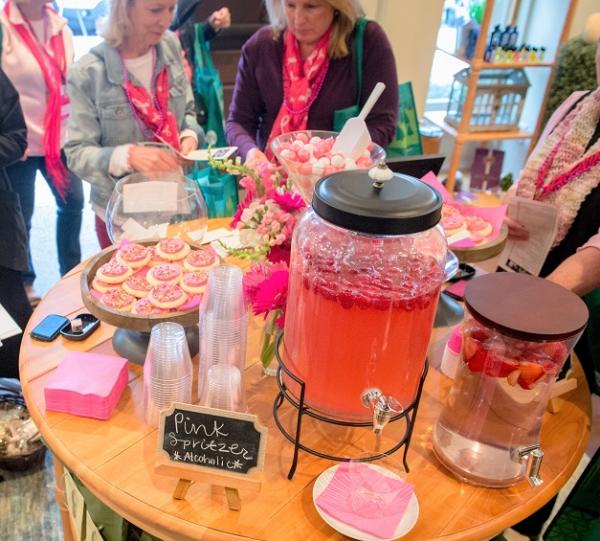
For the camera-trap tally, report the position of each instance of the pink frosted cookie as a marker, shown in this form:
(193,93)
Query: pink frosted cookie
(164,273)
(118,300)
(137,286)
(143,307)
(200,260)
(113,272)
(478,227)
(103,287)
(167,296)
(172,249)
(133,255)
(194,282)
(452,220)
(155,259)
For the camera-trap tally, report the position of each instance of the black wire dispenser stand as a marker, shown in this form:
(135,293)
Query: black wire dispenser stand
(408,414)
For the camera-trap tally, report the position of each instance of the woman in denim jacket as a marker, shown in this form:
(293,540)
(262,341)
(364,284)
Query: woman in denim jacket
(129,89)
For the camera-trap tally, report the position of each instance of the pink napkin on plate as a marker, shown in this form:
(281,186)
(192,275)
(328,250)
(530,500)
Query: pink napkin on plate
(432,180)
(360,496)
(86,384)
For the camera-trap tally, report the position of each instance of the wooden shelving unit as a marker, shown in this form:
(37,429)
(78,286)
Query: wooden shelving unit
(462,134)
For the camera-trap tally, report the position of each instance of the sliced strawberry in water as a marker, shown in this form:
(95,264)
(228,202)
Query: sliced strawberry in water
(470,347)
(477,360)
(500,366)
(556,350)
(530,374)
(513,377)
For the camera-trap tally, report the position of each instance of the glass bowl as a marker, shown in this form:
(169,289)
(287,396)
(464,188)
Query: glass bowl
(151,206)
(304,174)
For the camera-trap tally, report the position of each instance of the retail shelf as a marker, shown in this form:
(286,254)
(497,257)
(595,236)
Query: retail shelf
(437,118)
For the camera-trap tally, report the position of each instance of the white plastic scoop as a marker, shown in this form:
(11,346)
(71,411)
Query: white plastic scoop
(354,137)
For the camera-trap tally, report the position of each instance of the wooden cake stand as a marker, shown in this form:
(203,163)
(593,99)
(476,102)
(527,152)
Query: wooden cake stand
(483,251)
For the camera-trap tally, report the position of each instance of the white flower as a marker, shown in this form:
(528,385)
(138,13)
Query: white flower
(249,237)
(247,214)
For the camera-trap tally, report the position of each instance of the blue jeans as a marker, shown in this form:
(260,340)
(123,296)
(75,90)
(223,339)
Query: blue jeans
(68,213)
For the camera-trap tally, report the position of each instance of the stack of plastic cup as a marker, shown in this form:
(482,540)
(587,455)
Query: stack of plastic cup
(167,371)
(223,330)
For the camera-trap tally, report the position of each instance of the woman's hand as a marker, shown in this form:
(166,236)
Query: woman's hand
(255,157)
(187,145)
(147,159)
(515,230)
(220,19)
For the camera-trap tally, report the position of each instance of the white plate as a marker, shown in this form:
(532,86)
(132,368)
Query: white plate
(406,524)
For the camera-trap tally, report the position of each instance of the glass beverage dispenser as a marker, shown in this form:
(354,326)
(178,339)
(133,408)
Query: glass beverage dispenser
(366,268)
(518,331)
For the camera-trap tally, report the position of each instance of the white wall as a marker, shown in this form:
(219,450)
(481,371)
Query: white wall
(584,9)
(411,26)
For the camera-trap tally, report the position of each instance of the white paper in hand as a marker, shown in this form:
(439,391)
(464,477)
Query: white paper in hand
(354,138)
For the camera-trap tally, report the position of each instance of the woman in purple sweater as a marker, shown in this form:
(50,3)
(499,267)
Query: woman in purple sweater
(295,73)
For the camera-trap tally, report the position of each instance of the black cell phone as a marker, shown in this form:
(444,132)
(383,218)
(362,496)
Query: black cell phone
(49,328)
(89,324)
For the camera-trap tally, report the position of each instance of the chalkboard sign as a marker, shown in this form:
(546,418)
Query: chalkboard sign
(211,438)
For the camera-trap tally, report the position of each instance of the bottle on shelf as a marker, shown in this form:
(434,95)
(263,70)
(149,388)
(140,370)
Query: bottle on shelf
(495,37)
(513,37)
(488,56)
(533,56)
(505,36)
(541,54)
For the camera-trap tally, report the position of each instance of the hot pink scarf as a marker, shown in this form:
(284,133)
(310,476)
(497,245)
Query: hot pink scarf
(302,82)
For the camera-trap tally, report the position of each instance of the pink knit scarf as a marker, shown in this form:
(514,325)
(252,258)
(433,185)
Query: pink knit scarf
(562,172)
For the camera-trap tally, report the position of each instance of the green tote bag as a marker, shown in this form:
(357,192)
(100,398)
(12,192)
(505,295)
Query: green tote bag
(342,115)
(209,89)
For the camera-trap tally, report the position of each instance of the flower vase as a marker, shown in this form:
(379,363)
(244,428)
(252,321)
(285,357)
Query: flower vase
(267,348)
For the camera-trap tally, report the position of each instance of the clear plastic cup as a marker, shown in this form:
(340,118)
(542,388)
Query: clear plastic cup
(224,387)
(167,371)
(223,332)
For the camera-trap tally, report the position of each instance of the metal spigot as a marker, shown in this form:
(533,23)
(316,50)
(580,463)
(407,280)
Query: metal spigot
(383,407)
(533,455)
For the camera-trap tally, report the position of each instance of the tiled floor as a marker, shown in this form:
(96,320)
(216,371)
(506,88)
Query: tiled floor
(27,508)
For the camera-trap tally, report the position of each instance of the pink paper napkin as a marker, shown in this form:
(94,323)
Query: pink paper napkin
(86,384)
(360,496)
(433,181)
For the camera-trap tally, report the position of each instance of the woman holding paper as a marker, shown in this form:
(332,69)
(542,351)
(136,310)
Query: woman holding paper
(128,90)
(295,73)
(564,171)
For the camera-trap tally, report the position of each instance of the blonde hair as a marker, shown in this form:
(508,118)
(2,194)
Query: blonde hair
(117,25)
(347,12)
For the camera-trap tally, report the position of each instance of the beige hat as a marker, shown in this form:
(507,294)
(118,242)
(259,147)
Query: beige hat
(591,29)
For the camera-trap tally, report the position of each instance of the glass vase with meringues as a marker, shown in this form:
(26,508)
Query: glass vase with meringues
(156,269)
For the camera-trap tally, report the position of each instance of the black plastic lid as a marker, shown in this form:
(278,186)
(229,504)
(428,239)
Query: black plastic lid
(403,205)
(525,307)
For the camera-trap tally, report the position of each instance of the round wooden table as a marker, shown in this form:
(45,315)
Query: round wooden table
(115,459)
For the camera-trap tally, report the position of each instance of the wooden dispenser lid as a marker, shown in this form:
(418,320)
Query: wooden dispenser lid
(525,307)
